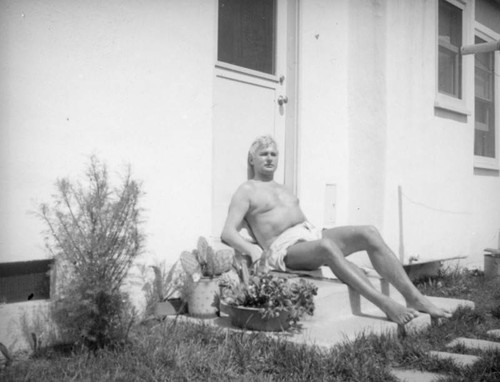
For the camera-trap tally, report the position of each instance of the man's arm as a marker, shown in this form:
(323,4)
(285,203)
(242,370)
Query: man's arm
(240,204)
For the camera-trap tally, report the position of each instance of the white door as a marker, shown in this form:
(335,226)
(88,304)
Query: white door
(254,92)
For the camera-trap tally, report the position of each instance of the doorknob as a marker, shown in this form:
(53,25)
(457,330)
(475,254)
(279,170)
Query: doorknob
(282,100)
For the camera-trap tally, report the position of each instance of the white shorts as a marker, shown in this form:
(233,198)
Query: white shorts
(277,251)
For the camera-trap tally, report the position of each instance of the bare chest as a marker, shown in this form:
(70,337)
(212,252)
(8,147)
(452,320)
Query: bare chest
(269,199)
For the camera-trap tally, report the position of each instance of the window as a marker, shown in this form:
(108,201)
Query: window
(449,42)
(485,102)
(247,34)
(453,21)
(25,281)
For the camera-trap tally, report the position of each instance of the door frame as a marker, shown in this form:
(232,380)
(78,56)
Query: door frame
(291,122)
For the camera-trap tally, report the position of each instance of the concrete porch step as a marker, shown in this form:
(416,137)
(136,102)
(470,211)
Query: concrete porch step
(475,344)
(347,302)
(494,333)
(461,360)
(333,321)
(328,332)
(407,375)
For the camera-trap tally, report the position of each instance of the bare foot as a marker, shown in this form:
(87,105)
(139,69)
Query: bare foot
(422,304)
(399,313)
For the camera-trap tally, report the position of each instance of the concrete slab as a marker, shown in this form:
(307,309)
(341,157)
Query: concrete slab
(18,320)
(452,304)
(324,334)
(406,375)
(328,333)
(495,333)
(337,299)
(334,322)
(471,343)
(461,360)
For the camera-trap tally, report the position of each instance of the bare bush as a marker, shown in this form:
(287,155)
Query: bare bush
(94,232)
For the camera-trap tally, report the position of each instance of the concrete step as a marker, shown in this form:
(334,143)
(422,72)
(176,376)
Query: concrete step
(407,375)
(327,332)
(471,343)
(495,333)
(461,360)
(333,321)
(348,302)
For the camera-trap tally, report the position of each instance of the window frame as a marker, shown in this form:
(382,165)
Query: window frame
(237,69)
(443,100)
(481,162)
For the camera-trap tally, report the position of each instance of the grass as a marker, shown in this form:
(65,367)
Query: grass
(177,351)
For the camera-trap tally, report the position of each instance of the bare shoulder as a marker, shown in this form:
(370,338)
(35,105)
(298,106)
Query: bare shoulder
(244,191)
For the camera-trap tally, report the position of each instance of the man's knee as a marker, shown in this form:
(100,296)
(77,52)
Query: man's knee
(372,236)
(328,249)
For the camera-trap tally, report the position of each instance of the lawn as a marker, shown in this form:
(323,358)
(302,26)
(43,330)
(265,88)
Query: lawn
(176,351)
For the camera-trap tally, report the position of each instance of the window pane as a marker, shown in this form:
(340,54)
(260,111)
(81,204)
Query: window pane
(247,30)
(25,280)
(450,23)
(449,72)
(450,41)
(484,135)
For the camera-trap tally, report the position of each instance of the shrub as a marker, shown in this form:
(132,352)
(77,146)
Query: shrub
(94,234)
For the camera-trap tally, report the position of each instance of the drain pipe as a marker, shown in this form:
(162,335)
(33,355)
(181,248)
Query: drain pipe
(485,47)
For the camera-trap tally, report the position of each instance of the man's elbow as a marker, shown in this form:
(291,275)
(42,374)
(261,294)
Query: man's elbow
(228,235)
(225,236)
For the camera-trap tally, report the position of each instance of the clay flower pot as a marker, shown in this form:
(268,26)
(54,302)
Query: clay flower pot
(251,318)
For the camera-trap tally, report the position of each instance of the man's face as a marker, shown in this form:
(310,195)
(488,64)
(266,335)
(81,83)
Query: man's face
(265,159)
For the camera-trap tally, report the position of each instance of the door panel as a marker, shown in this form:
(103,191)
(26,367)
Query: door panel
(245,107)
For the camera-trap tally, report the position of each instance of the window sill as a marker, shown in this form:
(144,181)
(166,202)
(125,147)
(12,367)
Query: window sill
(486,163)
(451,104)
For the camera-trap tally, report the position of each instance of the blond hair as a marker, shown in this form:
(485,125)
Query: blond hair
(262,141)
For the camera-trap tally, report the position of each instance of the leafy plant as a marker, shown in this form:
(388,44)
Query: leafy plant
(167,284)
(94,234)
(205,262)
(273,295)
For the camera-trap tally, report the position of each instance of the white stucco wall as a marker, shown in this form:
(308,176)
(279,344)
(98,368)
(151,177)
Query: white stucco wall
(323,108)
(367,106)
(368,123)
(133,83)
(127,80)
(448,209)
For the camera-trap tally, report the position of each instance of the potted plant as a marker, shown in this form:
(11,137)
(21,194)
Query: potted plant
(167,291)
(267,302)
(204,266)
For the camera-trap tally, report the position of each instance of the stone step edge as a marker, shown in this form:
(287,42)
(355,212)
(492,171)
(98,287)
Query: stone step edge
(473,343)
(461,360)
(411,375)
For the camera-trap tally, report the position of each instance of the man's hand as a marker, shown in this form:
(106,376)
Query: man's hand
(255,253)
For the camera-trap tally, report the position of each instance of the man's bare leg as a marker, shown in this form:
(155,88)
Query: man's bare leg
(358,238)
(313,254)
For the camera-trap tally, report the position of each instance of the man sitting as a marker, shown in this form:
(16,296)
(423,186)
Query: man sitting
(288,241)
